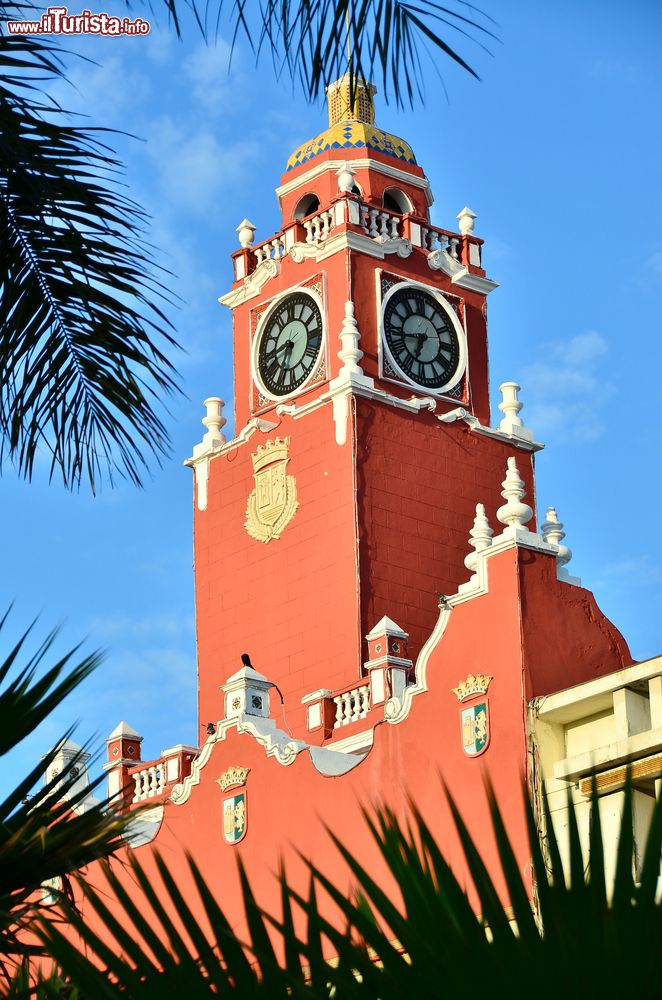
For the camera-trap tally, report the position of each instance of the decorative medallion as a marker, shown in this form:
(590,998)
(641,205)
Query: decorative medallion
(474,719)
(273,503)
(235,816)
(475,729)
(52,889)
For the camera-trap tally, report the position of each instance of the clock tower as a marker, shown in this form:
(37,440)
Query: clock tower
(366,548)
(362,421)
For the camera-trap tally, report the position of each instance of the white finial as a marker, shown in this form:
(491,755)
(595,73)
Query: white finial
(350,353)
(246,231)
(214,421)
(480,537)
(466,219)
(553,534)
(514,513)
(510,406)
(345,174)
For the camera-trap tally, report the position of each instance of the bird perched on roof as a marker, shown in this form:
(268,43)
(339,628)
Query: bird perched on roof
(246,660)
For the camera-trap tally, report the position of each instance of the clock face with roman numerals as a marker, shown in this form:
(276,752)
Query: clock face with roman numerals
(421,337)
(290,344)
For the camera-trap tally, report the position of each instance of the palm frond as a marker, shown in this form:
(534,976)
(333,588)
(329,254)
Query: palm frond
(581,941)
(83,332)
(50,829)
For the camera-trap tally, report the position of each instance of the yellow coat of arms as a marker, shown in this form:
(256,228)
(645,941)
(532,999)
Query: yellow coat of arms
(273,503)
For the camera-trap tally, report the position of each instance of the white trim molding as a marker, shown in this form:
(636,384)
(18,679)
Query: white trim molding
(200,459)
(440,260)
(252,285)
(362,163)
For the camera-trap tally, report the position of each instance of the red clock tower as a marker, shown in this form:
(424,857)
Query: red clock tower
(374,429)
(375,604)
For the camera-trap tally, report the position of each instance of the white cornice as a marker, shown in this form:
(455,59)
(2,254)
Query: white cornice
(459,413)
(441,260)
(364,163)
(252,285)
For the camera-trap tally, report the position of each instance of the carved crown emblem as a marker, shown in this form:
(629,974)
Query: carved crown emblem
(273,503)
(272,451)
(474,684)
(234,775)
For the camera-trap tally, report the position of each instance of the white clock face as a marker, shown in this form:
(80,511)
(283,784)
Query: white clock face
(422,337)
(290,344)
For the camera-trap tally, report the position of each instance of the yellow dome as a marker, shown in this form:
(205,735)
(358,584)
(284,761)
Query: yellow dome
(351,126)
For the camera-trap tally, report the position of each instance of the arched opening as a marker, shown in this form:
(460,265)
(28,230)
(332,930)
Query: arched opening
(306,206)
(396,200)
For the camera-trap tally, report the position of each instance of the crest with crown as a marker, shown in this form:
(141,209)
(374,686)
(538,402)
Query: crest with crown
(473,685)
(234,775)
(272,451)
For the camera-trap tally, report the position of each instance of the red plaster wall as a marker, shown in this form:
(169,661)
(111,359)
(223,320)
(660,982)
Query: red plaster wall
(290,603)
(418,485)
(566,638)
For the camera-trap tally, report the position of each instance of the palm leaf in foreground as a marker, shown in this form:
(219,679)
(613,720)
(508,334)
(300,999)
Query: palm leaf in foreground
(83,335)
(428,942)
(40,836)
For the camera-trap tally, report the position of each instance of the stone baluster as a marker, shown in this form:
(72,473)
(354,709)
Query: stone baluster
(326,224)
(510,407)
(553,534)
(345,174)
(246,233)
(339,711)
(383,223)
(350,353)
(514,514)
(466,219)
(454,245)
(425,241)
(214,421)
(364,694)
(480,537)
(308,226)
(373,213)
(137,795)
(394,226)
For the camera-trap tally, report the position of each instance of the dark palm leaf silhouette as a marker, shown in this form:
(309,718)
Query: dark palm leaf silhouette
(576,940)
(41,835)
(84,338)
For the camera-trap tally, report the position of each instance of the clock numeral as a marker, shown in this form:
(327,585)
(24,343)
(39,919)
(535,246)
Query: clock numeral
(406,363)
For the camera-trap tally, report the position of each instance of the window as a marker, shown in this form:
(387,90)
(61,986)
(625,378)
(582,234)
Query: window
(396,200)
(306,206)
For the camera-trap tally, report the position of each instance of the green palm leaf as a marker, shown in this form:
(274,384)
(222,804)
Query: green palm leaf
(582,941)
(41,833)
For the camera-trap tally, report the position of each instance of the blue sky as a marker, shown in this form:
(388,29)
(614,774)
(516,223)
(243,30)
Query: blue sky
(558,150)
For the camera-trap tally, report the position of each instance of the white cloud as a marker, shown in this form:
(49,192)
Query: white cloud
(653,266)
(122,626)
(218,82)
(193,168)
(92,90)
(632,571)
(565,392)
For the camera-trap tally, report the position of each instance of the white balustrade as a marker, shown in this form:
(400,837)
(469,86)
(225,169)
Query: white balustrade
(271,250)
(352,705)
(436,239)
(319,226)
(150,781)
(379,222)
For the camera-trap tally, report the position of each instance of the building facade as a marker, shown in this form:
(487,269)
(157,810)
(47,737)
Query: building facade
(379,607)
